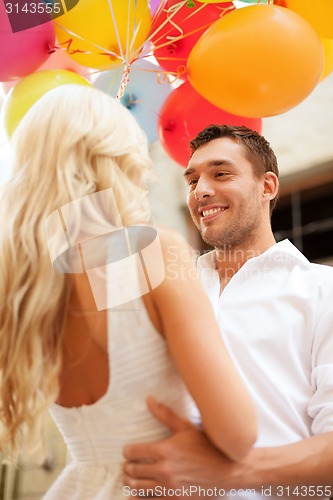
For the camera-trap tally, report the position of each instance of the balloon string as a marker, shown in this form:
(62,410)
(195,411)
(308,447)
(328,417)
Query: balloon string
(171,12)
(158,10)
(127,45)
(116,30)
(162,78)
(70,51)
(174,8)
(161,26)
(131,54)
(144,49)
(135,53)
(105,52)
(124,81)
(136,26)
(203,27)
(181,70)
(224,10)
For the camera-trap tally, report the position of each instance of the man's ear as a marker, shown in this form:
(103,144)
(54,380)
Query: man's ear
(270,186)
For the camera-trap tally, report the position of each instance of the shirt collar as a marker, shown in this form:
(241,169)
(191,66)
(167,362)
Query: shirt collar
(208,260)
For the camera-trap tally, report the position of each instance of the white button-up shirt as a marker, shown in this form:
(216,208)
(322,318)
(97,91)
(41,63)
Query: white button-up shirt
(276,318)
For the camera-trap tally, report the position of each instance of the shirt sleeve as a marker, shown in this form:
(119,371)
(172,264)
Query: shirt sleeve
(320,407)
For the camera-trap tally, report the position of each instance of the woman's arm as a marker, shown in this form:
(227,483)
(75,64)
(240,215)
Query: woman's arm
(195,343)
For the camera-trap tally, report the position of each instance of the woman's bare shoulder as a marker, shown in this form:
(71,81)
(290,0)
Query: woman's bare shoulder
(172,241)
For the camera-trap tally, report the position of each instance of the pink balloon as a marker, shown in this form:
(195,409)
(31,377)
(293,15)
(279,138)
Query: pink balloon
(61,60)
(57,60)
(23,51)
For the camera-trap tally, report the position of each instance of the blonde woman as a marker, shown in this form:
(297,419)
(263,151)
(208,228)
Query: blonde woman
(99,310)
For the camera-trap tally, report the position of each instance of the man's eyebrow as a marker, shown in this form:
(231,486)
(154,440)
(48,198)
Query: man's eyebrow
(188,171)
(213,163)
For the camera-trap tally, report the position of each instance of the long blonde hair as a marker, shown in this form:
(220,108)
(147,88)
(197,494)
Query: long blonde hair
(73,142)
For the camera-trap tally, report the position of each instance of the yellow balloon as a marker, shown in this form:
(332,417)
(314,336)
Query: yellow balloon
(328,51)
(28,90)
(319,13)
(257,61)
(104,33)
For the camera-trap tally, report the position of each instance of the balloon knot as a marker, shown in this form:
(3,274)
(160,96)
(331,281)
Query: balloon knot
(129,101)
(171,48)
(50,48)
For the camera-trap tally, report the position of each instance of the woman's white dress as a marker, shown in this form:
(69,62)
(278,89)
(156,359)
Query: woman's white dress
(139,366)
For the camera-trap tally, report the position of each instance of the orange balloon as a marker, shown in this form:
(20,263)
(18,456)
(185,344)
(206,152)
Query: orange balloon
(257,61)
(328,50)
(319,13)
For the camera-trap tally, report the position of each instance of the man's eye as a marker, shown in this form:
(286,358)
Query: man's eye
(192,182)
(219,174)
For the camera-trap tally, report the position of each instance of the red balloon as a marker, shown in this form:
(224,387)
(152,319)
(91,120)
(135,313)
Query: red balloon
(184,113)
(177,28)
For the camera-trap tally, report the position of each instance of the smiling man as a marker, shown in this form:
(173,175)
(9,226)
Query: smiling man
(232,190)
(275,313)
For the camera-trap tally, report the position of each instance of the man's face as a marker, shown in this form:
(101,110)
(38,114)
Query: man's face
(225,198)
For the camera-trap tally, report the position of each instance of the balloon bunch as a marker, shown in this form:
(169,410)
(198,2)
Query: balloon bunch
(177,65)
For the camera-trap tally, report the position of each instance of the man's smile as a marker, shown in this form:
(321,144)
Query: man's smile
(211,212)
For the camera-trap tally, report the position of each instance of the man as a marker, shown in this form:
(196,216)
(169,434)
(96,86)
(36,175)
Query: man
(275,310)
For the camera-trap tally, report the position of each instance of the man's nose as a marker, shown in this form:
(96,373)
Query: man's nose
(203,188)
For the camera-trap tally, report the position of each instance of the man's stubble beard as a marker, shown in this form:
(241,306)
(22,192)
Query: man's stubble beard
(231,238)
(235,235)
